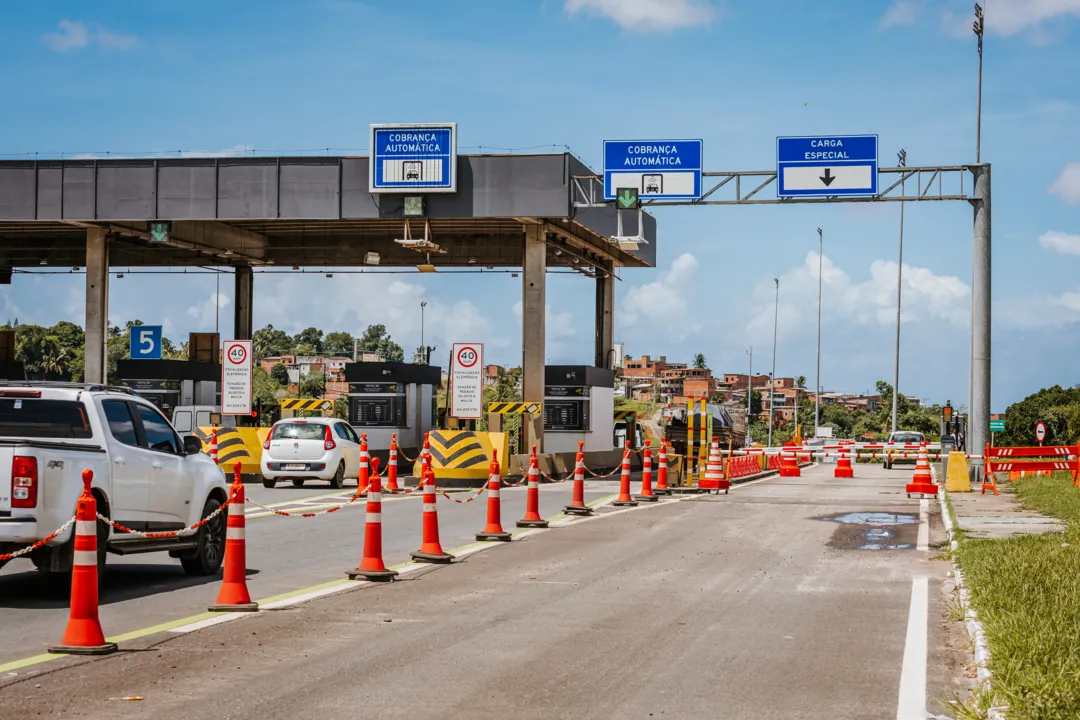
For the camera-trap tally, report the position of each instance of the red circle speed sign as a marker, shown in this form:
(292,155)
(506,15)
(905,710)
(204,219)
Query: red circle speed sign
(237,354)
(467,357)
(1040,431)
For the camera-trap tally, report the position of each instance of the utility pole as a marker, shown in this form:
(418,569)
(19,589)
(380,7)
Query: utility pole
(772,376)
(817,396)
(749,394)
(423,347)
(901,161)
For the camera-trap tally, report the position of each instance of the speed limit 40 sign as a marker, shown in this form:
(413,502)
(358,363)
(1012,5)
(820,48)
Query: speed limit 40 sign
(467,381)
(236,377)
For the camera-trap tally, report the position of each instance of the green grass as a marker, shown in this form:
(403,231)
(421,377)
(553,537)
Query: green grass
(1026,591)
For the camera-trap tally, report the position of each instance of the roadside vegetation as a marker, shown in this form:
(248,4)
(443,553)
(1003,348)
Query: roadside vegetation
(1026,591)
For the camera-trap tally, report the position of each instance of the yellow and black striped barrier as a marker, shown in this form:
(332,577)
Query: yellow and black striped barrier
(623,414)
(236,444)
(464,454)
(514,408)
(297,404)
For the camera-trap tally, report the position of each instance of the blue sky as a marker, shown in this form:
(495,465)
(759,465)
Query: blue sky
(278,77)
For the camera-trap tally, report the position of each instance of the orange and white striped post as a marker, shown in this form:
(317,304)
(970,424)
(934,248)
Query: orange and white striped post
(577,505)
(371,564)
(213,446)
(646,477)
(365,464)
(493,530)
(661,469)
(431,550)
(532,517)
(83,635)
(391,466)
(624,499)
(234,596)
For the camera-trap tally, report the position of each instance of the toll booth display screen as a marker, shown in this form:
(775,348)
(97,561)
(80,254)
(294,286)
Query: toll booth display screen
(377,404)
(566,415)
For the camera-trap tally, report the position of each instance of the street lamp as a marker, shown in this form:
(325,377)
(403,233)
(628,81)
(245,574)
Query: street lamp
(978,26)
(423,347)
(749,393)
(817,395)
(772,376)
(901,161)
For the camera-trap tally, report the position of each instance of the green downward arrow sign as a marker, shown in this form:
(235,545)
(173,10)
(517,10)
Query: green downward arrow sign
(159,231)
(627,198)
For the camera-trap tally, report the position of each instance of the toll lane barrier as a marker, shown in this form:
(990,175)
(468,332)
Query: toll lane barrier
(243,445)
(462,454)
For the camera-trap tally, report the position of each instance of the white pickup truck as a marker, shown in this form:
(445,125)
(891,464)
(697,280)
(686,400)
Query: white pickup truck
(145,477)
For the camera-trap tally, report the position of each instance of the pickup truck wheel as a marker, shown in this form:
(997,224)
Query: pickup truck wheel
(211,551)
(298,482)
(269,483)
(338,481)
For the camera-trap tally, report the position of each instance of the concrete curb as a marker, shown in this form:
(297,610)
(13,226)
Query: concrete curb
(971,620)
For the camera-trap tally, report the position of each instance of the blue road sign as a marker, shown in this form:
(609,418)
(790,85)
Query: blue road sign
(657,169)
(827,166)
(413,158)
(145,342)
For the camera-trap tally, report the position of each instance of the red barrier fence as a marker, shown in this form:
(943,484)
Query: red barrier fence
(1031,459)
(738,467)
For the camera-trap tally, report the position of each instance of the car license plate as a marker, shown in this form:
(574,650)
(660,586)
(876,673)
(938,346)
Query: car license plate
(296,466)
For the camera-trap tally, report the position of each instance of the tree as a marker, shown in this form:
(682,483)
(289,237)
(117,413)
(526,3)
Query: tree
(800,382)
(306,349)
(376,339)
(310,336)
(314,385)
(280,374)
(264,387)
(338,343)
(1058,407)
(755,403)
(270,342)
(699,361)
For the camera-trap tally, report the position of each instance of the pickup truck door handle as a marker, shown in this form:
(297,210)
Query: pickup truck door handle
(118,461)
(156,466)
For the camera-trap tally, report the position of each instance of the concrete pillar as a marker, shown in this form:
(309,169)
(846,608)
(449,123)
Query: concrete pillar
(979,425)
(95,364)
(243,299)
(533,331)
(605,322)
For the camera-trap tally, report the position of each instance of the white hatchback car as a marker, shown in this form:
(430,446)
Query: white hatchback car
(310,449)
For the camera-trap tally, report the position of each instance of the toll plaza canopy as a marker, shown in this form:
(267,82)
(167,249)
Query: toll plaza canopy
(250,213)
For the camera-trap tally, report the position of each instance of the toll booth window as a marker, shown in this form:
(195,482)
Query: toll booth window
(159,434)
(121,426)
(182,421)
(36,418)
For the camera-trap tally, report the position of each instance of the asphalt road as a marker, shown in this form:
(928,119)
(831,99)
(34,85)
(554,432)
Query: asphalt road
(284,555)
(772,602)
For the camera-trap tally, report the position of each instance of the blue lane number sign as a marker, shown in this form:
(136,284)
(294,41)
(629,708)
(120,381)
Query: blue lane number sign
(412,158)
(657,169)
(145,342)
(827,166)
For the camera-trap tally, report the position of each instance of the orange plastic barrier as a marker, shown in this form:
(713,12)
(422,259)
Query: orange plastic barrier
(1021,460)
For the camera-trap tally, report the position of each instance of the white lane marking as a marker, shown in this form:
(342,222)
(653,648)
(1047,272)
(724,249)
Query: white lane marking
(912,701)
(924,525)
(210,622)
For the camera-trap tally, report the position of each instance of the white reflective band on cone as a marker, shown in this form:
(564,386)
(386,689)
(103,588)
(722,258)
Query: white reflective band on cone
(533,484)
(234,533)
(429,507)
(84,558)
(493,492)
(374,497)
(374,517)
(236,509)
(86,527)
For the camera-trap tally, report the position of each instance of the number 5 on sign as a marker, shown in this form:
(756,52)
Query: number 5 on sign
(145,342)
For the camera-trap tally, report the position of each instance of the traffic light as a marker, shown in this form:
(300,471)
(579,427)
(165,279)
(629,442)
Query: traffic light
(946,412)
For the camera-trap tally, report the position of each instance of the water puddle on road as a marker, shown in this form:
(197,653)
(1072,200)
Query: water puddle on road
(873,531)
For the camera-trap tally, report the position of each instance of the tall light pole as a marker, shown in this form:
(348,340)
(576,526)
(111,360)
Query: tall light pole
(978,26)
(901,161)
(749,393)
(772,376)
(423,346)
(817,395)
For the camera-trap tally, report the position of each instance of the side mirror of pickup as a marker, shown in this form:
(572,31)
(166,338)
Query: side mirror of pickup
(192,445)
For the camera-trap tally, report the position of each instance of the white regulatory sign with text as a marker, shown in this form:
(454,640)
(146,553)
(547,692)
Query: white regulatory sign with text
(467,381)
(236,377)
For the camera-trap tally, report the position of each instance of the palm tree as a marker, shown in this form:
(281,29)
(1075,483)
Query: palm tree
(699,361)
(54,362)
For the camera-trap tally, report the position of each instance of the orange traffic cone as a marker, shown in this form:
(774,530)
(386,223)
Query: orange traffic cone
(843,465)
(624,499)
(661,469)
(922,482)
(425,457)
(365,464)
(577,505)
(213,446)
(431,550)
(83,635)
(493,530)
(234,596)
(646,477)
(532,517)
(371,564)
(714,470)
(391,466)
(789,466)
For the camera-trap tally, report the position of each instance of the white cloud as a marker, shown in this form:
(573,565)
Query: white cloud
(647,15)
(207,313)
(665,302)
(901,12)
(1067,185)
(1063,243)
(76,35)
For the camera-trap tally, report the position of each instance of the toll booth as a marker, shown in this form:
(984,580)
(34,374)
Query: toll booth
(579,402)
(171,383)
(387,398)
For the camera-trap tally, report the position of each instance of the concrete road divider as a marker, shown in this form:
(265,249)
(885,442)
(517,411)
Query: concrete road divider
(234,595)
(83,635)
(243,445)
(462,455)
